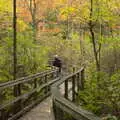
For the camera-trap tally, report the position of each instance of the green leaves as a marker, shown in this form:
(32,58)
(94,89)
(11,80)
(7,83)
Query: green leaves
(102,98)
(21,25)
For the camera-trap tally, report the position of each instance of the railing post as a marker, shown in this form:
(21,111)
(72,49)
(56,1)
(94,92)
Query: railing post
(52,76)
(73,88)
(78,82)
(45,78)
(35,83)
(58,113)
(3,115)
(66,89)
(82,79)
(17,92)
(46,89)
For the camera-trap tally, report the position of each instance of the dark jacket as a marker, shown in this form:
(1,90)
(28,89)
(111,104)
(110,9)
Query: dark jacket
(57,63)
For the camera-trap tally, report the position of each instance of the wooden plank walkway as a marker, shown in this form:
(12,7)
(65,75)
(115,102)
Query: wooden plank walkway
(43,111)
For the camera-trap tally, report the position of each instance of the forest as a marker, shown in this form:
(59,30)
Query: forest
(81,32)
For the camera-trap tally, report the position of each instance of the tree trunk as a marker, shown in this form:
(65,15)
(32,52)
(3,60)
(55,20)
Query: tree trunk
(91,26)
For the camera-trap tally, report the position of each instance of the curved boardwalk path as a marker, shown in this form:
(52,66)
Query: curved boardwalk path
(42,111)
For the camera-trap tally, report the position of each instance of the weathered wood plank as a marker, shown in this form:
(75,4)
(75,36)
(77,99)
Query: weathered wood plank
(60,101)
(42,111)
(36,89)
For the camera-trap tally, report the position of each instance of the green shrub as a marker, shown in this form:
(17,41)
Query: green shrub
(103,96)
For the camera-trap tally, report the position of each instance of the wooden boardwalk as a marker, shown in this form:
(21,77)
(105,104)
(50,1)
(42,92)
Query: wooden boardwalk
(43,111)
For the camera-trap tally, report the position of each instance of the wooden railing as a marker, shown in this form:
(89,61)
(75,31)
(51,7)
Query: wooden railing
(18,96)
(64,104)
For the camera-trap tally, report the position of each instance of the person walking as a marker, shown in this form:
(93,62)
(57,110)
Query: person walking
(57,63)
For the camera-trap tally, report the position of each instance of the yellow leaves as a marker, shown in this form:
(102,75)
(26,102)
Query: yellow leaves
(5,6)
(68,11)
(77,10)
(5,14)
(21,25)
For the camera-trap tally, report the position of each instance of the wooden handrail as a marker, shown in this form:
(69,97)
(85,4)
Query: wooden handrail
(2,84)
(63,103)
(24,79)
(49,77)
